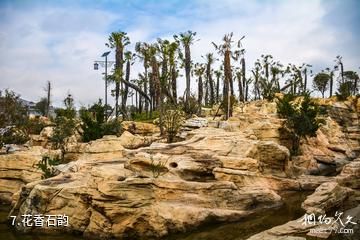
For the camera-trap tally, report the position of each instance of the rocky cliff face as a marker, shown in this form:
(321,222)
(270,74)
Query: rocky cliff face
(222,172)
(153,191)
(17,169)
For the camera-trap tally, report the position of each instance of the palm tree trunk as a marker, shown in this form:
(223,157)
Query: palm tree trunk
(200,94)
(206,87)
(243,71)
(240,85)
(146,86)
(217,88)
(48,90)
(173,83)
(305,80)
(126,91)
(117,93)
(228,83)
(331,83)
(211,84)
(187,73)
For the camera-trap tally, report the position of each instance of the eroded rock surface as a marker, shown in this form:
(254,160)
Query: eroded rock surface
(17,169)
(222,172)
(327,196)
(153,191)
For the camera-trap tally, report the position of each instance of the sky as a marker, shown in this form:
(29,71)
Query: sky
(59,41)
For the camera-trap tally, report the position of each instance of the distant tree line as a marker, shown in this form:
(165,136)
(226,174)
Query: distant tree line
(166,59)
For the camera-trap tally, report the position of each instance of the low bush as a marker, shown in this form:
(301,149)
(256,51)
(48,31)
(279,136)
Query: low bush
(192,107)
(94,124)
(13,135)
(301,118)
(35,125)
(172,121)
(46,165)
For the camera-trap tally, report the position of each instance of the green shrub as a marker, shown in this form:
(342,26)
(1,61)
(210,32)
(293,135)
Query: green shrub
(301,118)
(46,166)
(13,112)
(64,128)
(192,107)
(172,121)
(65,125)
(35,125)
(112,127)
(344,91)
(158,168)
(13,135)
(285,106)
(94,124)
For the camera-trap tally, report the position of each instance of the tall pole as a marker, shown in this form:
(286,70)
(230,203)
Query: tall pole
(106,87)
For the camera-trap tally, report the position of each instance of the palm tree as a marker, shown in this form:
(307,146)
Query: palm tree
(268,87)
(218,74)
(276,70)
(186,39)
(173,48)
(296,80)
(199,71)
(266,62)
(142,50)
(129,59)
(256,74)
(242,81)
(154,77)
(225,50)
(331,82)
(118,40)
(305,72)
(166,50)
(209,58)
(238,74)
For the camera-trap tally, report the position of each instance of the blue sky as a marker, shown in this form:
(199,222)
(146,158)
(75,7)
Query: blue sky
(59,40)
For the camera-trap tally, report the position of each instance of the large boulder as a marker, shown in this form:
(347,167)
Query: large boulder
(295,230)
(18,169)
(196,122)
(272,156)
(350,175)
(140,127)
(153,191)
(326,197)
(119,205)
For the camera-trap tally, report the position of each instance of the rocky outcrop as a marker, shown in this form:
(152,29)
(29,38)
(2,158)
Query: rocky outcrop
(17,169)
(196,122)
(350,175)
(153,191)
(108,147)
(140,128)
(326,197)
(293,230)
(223,171)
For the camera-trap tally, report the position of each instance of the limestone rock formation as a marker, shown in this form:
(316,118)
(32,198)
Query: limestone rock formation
(17,169)
(196,122)
(135,186)
(326,197)
(350,175)
(140,128)
(153,191)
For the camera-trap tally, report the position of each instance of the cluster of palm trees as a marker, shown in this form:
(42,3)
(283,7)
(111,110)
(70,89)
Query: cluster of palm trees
(164,60)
